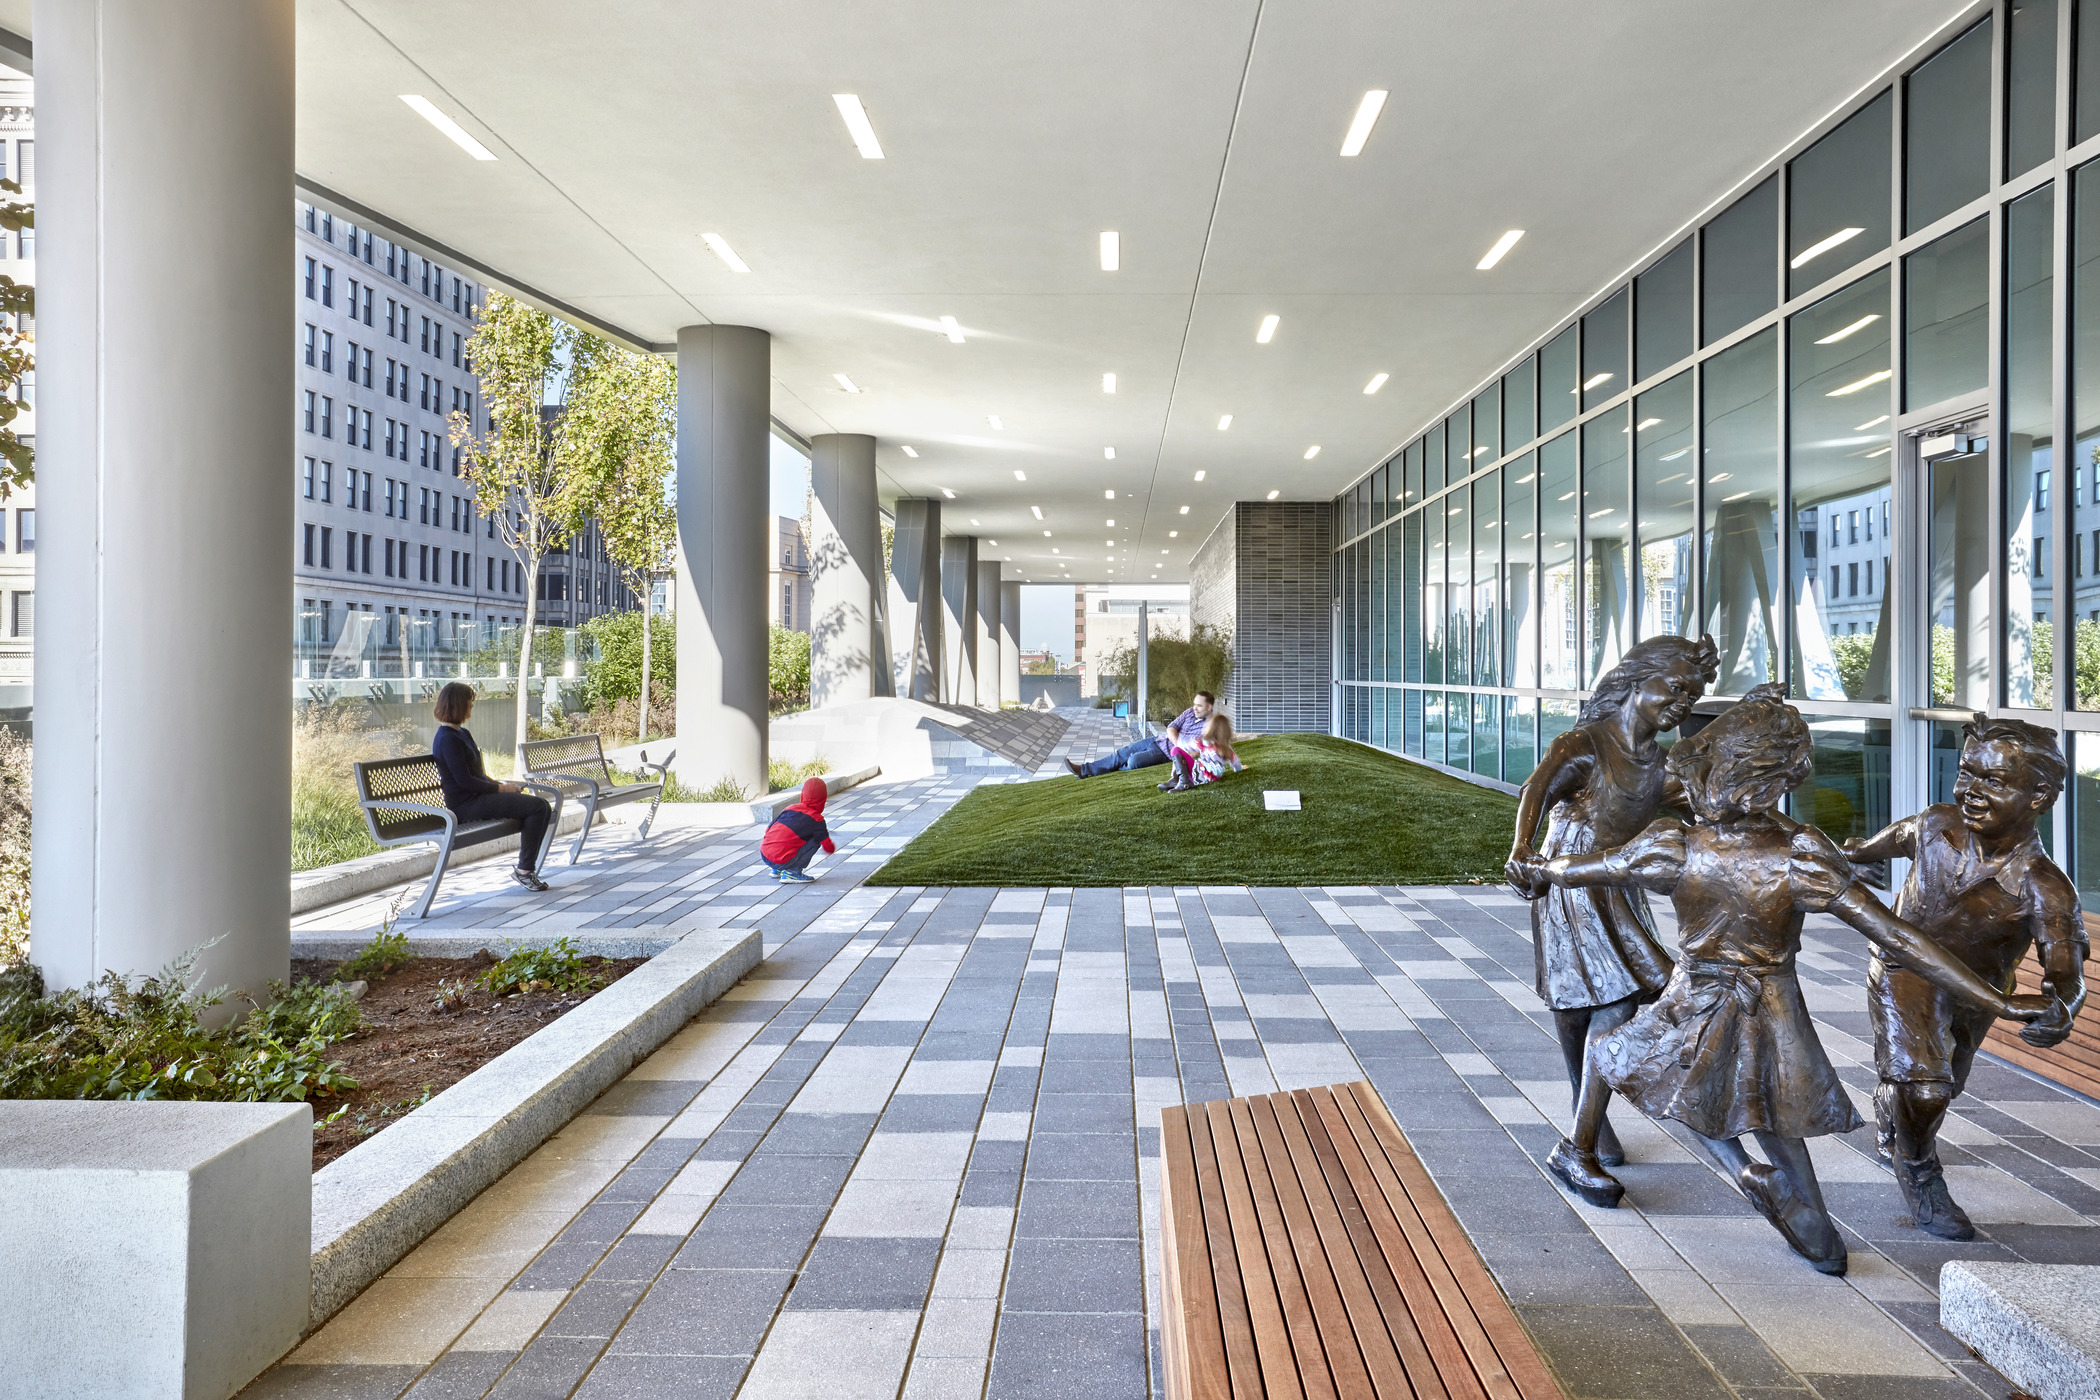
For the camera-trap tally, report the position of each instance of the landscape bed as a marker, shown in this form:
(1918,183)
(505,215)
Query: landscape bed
(1367,818)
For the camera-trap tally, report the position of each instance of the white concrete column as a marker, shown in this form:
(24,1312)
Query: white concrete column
(989,695)
(1010,641)
(914,614)
(845,562)
(164,663)
(959,619)
(725,378)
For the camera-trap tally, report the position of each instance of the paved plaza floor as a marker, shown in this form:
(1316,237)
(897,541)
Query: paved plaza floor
(916,1152)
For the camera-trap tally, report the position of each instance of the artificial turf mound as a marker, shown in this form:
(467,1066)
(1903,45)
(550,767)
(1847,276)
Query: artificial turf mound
(1369,819)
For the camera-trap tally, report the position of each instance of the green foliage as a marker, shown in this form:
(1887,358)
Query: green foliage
(1853,654)
(558,967)
(1176,669)
(724,790)
(387,951)
(782,775)
(117,1040)
(327,825)
(787,669)
(17,351)
(615,669)
(14,847)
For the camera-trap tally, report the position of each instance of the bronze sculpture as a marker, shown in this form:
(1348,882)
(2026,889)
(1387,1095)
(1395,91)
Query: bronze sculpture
(1595,951)
(1981,882)
(1728,1048)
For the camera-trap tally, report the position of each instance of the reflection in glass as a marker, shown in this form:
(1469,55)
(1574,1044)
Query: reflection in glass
(2085,817)
(1411,475)
(1380,494)
(1738,285)
(1742,510)
(1433,725)
(1375,547)
(1378,698)
(2085,74)
(1838,212)
(1604,350)
(1556,717)
(2080,472)
(1487,425)
(1946,315)
(1487,736)
(1662,313)
(2030,248)
(1606,536)
(1487,578)
(1520,738)
(1848,794)
(1838,446)
(1458,579)
(2030,91)
(1520,603)
(1394,544)
(1411,599)
(1518,397)
(1458,450)
(1663,469)
(1413,730)
(1560,385)
(1947,149)
(1958,564)
(1433,601)
(1559,532)
(1433,462)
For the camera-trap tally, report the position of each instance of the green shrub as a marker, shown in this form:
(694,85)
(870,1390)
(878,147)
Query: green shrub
(327,825)
(558,967)
(387,951)
(787,669)
(615,672)
(782,775)
(1175,669)
(14,847)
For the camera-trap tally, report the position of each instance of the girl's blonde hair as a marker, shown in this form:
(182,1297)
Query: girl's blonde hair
(1217,729)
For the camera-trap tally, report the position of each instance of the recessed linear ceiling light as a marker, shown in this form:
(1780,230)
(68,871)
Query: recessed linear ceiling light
(1501,249)
(1224,422)
(1036,511)
(1108,453)
(1046,535)
(858,126)
(848,385)
(1312,452)
(1366,117)
(1878,452)
(952,329)
(1108,383)
(1111,250)
(1267,332)
(1594,380)
(993,419)
(1861,324)
(1871,423)
(1274,494)
(1020,475)
(910,451)
(1184,510)
(946,492)
(975,521)
(1645,424)
(1817,250)
(1173,534)
(723,251)
(1858,384)
(424,108)
(1199,476)
(995,543)
(1377,383)
(1108,495)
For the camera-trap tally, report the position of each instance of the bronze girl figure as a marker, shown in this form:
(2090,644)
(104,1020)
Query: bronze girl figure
(1728,1049)
(1595,949)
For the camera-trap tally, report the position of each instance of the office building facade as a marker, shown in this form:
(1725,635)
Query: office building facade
(18,511)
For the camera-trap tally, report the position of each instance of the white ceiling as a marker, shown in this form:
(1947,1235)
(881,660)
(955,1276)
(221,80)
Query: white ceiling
(1205,133)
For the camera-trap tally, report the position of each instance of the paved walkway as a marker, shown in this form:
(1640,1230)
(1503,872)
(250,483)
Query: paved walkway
(916,1154)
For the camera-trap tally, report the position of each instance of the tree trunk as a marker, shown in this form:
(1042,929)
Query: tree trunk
(642,724)
(532,582)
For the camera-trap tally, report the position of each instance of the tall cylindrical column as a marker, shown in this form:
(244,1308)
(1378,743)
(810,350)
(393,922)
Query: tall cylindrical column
(1010,641)
(989,696)
(914,614)
(846,566)
(164,663)
(959,619)
(724,418)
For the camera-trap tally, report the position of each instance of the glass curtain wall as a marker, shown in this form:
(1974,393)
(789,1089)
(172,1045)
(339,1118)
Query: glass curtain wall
(1821,428)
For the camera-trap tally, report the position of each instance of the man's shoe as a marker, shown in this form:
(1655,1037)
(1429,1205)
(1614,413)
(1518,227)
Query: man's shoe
(1075,768)
(529,879)
(1798,1221)
(1583,1174)
(1931,1208)
(1167,786)
(796,877)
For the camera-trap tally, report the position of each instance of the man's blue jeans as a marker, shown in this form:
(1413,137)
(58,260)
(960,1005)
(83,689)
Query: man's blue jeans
(1139,753)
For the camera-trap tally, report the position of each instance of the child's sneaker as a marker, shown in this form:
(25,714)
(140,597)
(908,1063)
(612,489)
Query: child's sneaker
(797,877)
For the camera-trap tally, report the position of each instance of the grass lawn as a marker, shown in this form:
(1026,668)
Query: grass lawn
(1368,819)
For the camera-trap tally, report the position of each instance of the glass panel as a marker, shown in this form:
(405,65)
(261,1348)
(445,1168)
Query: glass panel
(1946,346)
(2085,817)
(1458,440)
(1520,737)
(1839,207)
(1411,599)
(1559,384)
(1433,601)
(1377,716)
(1394,545)
(1742,510)
(1556,717)
(1380,493)
(1959,560)
(1375,548)
(1487,736)
(1458,727)
(1839,449)
(1433,462)
(2030,90)
(1662,313)
(1848,794)
(2082,470)
(1947,156)
(2030,637)
(1520,647)
(1413,732)
(1663,470)
(1411,469)
(1458,654)
(1559,531)
(1518,397)
(1487,578)
(2085,72)
(1605,538)
(1741,245)
(1487,425)
(1604,351)
(1433,725)
(1364,594)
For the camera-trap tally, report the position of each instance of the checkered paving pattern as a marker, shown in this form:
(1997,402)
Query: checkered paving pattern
(916,1154)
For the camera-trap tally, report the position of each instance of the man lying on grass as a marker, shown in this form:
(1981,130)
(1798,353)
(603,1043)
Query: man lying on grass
(1145,752)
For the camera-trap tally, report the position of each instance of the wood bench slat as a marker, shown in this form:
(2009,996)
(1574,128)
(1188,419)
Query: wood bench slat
(1313,1375)
(1272,1342)
(1193,1353)
(1243,1366)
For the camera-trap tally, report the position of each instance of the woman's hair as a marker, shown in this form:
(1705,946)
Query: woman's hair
(1217,729)
(1755,753)
(1651,657)
(454,701)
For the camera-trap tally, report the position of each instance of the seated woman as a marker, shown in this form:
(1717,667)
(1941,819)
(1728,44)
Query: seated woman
(473,795)
(1728,1049)
(1211,758)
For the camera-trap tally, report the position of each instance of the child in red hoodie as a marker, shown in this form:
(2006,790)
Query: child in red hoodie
(792,840)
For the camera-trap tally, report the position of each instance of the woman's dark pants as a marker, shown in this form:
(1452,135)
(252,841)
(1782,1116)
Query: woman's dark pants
(532,813)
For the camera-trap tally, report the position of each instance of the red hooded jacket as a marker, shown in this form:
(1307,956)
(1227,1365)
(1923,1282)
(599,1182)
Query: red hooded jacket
(802,822)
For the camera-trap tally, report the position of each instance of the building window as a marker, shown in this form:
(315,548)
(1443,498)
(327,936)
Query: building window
(367,317)
(309,475)
(1833,580)
(328,228)
(455,349)
(2041,490)
(328,352)
(22,623)
(327,540)
(327,417)
(312,279)
(2040,553)
(313,343)
(311,402)
(327,285)
(1852,527)
(1870,571)
(310,546)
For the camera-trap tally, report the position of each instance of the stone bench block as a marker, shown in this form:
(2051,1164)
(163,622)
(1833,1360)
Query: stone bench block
(2037,1324)
(157,1251)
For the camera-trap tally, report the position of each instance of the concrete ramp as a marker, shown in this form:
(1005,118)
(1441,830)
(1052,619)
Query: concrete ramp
(916,739)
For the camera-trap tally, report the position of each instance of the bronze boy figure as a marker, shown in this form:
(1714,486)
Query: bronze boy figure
(1728,1049)
(1597,956)
(1981,883)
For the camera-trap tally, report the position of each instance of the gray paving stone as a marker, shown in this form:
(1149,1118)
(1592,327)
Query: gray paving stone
(703,1312)
(1078,1209)
(1063,1275)
(332,1383)
(751,1237)
(548,1369)
(460,1375)
(865,1275)
(1626,1353)
(595,1309)
(647,1097)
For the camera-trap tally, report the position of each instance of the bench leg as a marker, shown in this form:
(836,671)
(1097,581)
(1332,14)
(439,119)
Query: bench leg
(430,891)
(590,814)
(654,803)
(553,829)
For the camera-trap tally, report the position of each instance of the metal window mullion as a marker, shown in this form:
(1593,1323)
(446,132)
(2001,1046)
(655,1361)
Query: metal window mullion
(1783,389)
(1998,460)
(2062,587)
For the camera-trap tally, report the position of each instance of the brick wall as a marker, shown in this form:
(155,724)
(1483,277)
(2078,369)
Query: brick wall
(1264,575)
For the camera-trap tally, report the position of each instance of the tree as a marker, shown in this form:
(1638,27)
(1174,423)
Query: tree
(529,470)
(787,668)
(17,350)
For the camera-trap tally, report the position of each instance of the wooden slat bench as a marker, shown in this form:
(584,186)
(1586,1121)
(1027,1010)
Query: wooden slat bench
(1308,1254)
(2075,1064)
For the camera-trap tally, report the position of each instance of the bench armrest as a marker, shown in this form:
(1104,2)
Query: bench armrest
(376,803)
(556,781)
(662,770)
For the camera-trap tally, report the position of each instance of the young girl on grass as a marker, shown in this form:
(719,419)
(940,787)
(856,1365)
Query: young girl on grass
(1210,760)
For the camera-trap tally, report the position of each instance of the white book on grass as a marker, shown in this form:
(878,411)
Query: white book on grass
(1280,799)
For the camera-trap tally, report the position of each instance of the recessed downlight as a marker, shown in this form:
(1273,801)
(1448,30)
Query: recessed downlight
(1108,495)
(1199,476)
(1020,475)
(1501,249)
(1108,383)
(1173,534)
(1594,380)
(946,492)
(1377,383)
(1036,511)
(723,251)
(1274,494)
(848,385)
(1224,422)
(427,110)
(952,329)
(1108,454)
(1111,250)
(910,451)
(993,419)
(1267,332)
(1645,424)
(1184,510)
(1366,117)
(857,125)
(1858,384)
(1312,452)
(1871,423)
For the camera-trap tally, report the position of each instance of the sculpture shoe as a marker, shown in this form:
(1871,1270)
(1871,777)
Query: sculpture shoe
(1931,1208)
(1798,1221)
(1609,1151)
(1583,1174)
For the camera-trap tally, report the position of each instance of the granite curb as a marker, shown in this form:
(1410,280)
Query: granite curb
(2038,1325)
(332,884)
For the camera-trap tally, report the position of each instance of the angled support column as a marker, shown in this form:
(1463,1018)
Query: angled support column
(164,665)
(989,694)
(914,612)
(846,562)
(959,619)
(1010,641)
(725,385)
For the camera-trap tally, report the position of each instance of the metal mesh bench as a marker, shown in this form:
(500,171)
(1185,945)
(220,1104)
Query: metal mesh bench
(403,803)
(577,765)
